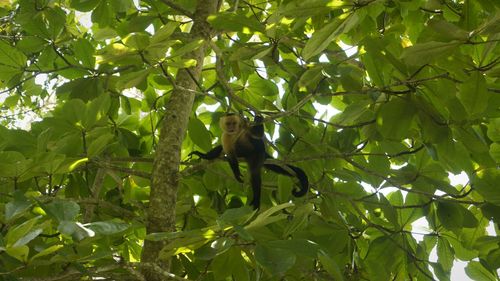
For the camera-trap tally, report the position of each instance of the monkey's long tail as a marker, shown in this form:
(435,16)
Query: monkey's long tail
(299,173)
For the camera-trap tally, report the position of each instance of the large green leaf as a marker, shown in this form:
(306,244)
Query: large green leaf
(84,5)
(494,130)
(97,146)
(450,215)
(423,53)
(62,210)
(477,271)
(199,134)
(445,253)
(228,21)
(259,86)
(84,52)
(21,234)
(108,227)
(395,118)
(277,261)
(309,8)
(16,207)
(12,61)
(13,164)
(474,94)
(486,183)
(331,267)
(321,38)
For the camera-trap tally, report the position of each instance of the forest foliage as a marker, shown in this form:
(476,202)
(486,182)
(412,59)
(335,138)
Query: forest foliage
(414,84)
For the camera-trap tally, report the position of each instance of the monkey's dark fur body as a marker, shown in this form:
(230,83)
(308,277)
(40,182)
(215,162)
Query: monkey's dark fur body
(247,141)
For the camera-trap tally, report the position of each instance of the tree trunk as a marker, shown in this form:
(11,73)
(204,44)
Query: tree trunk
(165,176)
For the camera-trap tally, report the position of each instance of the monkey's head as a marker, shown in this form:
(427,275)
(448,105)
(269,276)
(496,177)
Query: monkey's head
(230,124)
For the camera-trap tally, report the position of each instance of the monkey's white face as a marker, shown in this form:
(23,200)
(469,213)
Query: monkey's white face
(231,125)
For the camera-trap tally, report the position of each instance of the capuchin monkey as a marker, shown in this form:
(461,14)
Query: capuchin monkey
(239,139)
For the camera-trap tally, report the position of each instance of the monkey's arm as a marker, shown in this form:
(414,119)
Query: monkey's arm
(212,154)
(257,130)
(233,163)
(216,152)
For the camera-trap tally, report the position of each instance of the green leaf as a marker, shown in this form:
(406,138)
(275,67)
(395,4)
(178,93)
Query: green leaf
(331,267)
(199,134)
(180,63)
(236,216)
(11,56)
(84,52)
(20,253)
(239,269)
(285,187)
(311,77)
(495,152)
(12,61)
(56,20)
(276,261)
(445,253)
(450,215)
(217,247)
(49,162)
(266,217)
(62,210)
(108,227)
(261,87)
(224,264)
(395,118)
(47,251)
(299,220)
(13,164)
(381,261)
(310,8)
(228,21)
(424,53)
(21,231)
(75,229)
(96,110)
(186,48)
(163,34)
(474,94)
(84,89)
(486,183)
(18,206)
(133,79)
(28,237)
(494,129)
(137,41)
(477,271)
(84,5)
(103,14)
(300,247)
(11,101)
(321,38)
(97,146)
(448,30)
(30,45)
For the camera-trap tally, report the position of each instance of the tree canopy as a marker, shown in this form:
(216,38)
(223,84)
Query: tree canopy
(379,101)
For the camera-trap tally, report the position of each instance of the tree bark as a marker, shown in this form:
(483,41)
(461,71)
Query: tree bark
(165,176)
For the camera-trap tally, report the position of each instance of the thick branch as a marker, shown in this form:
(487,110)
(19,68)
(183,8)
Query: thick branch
(165,177)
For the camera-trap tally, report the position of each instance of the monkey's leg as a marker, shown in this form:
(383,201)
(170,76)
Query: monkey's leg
(212,154)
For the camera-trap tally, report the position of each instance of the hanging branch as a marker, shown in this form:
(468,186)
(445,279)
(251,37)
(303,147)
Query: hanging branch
(223,80)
